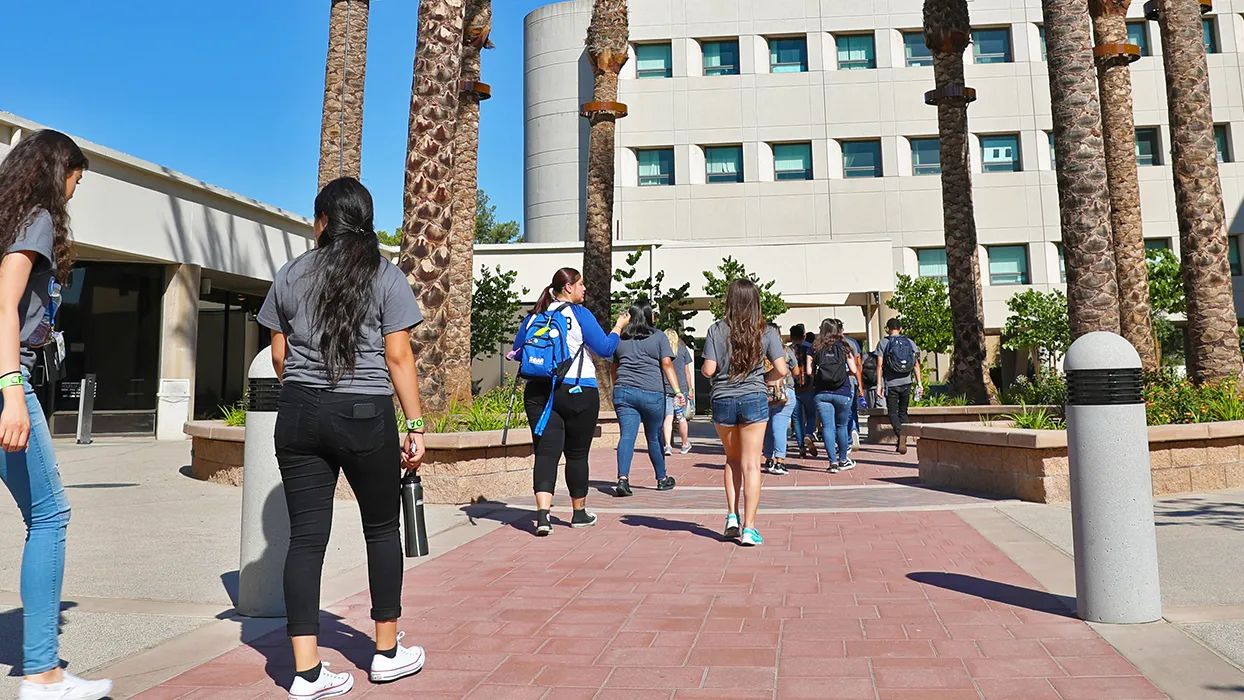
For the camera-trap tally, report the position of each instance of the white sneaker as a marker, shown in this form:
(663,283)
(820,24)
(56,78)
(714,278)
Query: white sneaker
(328,685)
(71,688)
(855,440)
(409,661)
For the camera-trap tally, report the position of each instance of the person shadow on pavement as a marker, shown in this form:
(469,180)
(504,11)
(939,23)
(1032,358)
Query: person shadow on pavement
(11,630)
(667,525)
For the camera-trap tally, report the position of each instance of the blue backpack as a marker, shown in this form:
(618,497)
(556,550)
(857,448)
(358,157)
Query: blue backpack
(546,354)
(900,355)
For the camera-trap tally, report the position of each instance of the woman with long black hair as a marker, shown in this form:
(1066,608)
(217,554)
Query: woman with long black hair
(735,350)
(643,369)
(37,180)
(832,364)
(340,317)
(571,423)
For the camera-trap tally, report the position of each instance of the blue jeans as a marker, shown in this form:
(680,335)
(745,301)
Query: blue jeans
(31,476)
(805,415)
(835,411)
(779,422)
(855,407)
(633,407)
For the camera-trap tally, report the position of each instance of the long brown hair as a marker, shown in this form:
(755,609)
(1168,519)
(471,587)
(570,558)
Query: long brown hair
(747,327)
(830,335)
(561,279)
(32,177)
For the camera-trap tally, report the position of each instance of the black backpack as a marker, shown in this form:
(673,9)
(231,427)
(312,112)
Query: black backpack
(870,369)
(831,368)
(900,355)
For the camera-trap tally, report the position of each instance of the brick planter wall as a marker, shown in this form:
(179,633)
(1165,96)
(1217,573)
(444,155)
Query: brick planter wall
(880,432)
(1032,465)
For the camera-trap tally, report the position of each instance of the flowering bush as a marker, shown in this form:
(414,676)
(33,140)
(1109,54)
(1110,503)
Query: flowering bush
(1047,389)
(1173,400)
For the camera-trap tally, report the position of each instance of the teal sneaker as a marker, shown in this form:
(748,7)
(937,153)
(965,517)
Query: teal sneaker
(732,526)
(751,537)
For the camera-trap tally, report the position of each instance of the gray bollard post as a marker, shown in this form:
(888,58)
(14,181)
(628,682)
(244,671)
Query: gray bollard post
(1116,554)
(265,520)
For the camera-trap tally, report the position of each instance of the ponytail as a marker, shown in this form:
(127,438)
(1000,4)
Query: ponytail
(561,279)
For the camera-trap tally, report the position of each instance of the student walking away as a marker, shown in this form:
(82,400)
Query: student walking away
(561,396)
(735,349)
(805,396)
(684,363)
(854,426)
(37,180)
(898,359)
(832,366)
(340,317)
(781,407)
(643,366)
(869,367)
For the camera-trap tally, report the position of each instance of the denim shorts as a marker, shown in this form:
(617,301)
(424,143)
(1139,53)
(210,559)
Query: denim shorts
(741,410)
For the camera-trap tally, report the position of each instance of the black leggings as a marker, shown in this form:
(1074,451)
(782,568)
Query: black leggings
(318,434)
(571,427)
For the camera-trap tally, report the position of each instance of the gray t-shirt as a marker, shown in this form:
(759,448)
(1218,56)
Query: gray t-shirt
(890,378)
(682,359)
(289,310)
(717,348)
(35,309)
(639,362)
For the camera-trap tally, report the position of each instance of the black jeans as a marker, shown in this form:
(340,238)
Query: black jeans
(318,434)
(896,400)
(570,430)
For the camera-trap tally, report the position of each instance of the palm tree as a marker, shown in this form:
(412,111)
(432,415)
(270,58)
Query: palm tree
(608,36)
(428,207)
(946,33)
(477,25)
(341,131)
(1212,322)
(1083,193)
(1113,55)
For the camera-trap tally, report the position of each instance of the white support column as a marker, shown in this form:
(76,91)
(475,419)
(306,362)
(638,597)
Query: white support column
(179,339)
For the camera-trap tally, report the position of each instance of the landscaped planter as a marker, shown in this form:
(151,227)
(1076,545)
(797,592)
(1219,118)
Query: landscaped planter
(880,432)
(1032,465)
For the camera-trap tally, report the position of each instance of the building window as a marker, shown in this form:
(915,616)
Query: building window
(720,57)
(1062,262)
(1210,31)
(1138,35)
(1008,264)
(723,163)
(1157,244)
(856,51)
(926,156)
(788,55)
(1053,160)
(992,45)
(1000,153)
(1233,256)
(931,262)
(656,166)
(1041,34)
(1221,144)
(654,61)
(861,159)
(1147,148)
(792,161)
(914,48)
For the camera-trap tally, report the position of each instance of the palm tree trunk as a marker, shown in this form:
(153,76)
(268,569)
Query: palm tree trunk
(477,25)
(341,130)
(428,207)
(1083,193)
(607,44)
(1212,321)
(946,32)
(1119,133)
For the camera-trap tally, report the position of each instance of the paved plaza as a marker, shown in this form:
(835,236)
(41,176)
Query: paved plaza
(868,586)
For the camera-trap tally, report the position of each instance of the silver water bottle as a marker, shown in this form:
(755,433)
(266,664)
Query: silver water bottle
(415,528)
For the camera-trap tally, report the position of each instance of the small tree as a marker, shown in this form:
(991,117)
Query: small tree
(1038,320)
(487,228)
(495,309)
(670,304)
(923,305)
(771,303)
(1166,286)
(393,239)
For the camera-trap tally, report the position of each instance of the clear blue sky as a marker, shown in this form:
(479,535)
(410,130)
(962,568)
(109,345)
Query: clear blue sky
(231,93)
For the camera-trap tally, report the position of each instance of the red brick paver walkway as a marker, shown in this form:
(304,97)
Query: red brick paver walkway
(876,605)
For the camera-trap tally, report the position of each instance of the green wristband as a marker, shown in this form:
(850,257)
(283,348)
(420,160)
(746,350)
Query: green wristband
(413,425)
(12,379)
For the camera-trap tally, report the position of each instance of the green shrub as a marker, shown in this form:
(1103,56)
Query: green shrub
(1047,389)
(235,415)
(1173,400)
(939,400)
(1035,418)
(487,412)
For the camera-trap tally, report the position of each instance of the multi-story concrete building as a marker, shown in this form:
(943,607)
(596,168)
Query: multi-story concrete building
(793,134)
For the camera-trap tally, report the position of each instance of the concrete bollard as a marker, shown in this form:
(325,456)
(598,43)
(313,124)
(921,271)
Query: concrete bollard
(265,520)
(1116,554)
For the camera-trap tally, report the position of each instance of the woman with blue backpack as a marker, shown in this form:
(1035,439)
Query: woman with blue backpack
(561,396)
(643,366)
(832,364)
